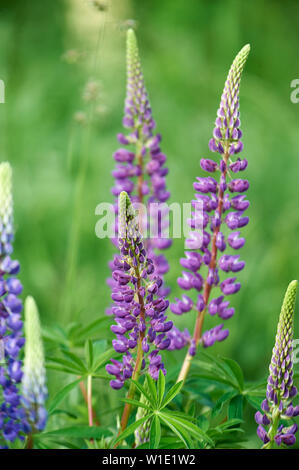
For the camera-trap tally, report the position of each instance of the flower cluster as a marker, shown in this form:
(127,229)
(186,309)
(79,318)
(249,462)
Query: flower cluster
(215,209)
(141,323)
(34,390)
(140,169)
(280,388)
(11,338)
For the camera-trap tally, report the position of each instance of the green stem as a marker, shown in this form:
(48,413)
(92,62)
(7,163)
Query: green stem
(29,442)
(273,430)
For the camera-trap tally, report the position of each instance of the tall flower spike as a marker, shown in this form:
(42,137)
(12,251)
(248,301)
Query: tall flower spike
(219,209)
(34,390)
(11,338)
(140,169)
(278,405)
(140,321)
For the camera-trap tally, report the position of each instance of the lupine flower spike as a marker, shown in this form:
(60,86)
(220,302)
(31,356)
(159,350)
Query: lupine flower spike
(140,169)
(141,323)
(219,210)
(11,336)
(34,390)
(278,406)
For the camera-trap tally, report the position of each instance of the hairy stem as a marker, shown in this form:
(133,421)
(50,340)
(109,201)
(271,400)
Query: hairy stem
(89,400)
(29,442)
(84,394)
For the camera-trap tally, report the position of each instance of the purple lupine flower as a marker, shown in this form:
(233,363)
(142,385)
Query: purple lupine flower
(278,405)
(11,335)
(141,325)
(140,169)
(223,208)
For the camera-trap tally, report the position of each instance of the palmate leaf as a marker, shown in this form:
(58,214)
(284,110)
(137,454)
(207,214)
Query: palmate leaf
(65,365)
(55,334)
(68,413)
(236,371)
(75,359)
(171,394)
(235,407)
(83,432)
(178,430)
(144,392)
(131,428)
(161,388)
(137,403)
(183,421)
(101,359)
(155,433)
(152,390)
(61,395)
(224,399)
(220,369)
(90,330)
(171,442)
(88,353)
(255,401)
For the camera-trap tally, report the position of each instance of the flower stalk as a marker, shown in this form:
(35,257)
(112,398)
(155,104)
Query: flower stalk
(277,408)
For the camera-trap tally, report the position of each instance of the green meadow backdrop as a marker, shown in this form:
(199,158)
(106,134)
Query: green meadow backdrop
(63,65)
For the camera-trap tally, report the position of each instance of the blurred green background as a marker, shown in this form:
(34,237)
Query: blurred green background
(63,65)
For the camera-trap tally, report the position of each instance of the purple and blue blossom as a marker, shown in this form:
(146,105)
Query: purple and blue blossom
(141,326)
(278,407)
(12,424)
(223,203)
(140,169)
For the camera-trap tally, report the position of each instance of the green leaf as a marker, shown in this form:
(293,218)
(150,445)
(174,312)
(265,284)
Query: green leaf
(61,395)
(155,433)
(58,411)
(89,353)
(91,329)
(99,347)
(102,359)
(152,389)
(61,369)
(171,442)
(75,359)
(236,370)
(178,430)
(229,424)
(189,426)
(84,432)
(203,423)
(222,401)
(143,391)
(130,429)
(161,387)
(175,390)
(67,364)
(137,403)
(255,401)
(55,334)
(235,407)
